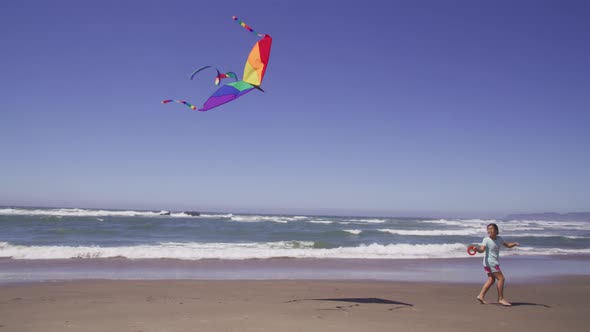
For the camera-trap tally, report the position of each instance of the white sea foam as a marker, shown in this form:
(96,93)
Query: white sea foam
(74,212)
(217,216)
(432,232)
(181,215)
(514,226)
(261,218)
(543,224)
(294,249)
(368,221)
(471,223)
(442,221)
(321,221)
(353,231)
(530,251)
(504,228)
(543,235)
(202,215)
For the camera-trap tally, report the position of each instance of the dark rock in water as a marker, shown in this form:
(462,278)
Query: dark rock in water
(164,213)
(192,213)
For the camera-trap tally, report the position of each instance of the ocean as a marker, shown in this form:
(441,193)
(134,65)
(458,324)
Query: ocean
(51,234)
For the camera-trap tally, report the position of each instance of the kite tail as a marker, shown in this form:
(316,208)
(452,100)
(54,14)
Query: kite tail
(246,26)
(180,102)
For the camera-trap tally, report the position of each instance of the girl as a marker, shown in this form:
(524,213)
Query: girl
(491,263)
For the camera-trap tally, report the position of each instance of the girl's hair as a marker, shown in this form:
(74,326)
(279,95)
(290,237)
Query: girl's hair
(495,227)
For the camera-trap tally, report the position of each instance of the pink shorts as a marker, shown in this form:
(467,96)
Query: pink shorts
(496,268)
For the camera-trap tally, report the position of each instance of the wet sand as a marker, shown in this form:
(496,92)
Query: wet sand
(462,270)
(558,304)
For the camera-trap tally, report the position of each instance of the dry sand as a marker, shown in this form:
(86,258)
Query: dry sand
(292,305)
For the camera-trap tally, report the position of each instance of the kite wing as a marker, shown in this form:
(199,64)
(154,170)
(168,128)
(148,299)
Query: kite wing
(257,61)
(258,58)
(227,93)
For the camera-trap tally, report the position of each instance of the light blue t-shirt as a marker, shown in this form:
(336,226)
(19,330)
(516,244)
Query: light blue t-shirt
(492,256)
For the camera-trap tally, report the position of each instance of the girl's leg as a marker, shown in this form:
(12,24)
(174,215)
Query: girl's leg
(485,288)
(500,285)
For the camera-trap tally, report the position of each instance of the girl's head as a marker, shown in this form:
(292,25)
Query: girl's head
(493,230)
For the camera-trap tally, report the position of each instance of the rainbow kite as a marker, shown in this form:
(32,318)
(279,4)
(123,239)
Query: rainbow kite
(254,71)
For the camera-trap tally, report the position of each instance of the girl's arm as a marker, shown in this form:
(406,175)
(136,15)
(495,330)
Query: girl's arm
(510,244)
(480,249)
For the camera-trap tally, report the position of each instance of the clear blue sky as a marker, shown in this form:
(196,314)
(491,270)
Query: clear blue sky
(450,108)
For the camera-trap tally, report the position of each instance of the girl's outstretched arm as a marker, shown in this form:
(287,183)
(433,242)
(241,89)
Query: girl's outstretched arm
(510,244)
(480,249)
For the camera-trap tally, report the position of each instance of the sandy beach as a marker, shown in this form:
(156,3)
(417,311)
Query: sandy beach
(290,305)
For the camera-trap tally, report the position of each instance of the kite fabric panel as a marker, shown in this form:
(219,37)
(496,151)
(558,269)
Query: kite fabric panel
(257,62)
(226,94)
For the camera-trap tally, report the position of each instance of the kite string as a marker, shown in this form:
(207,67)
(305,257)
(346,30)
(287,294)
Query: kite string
(245,26)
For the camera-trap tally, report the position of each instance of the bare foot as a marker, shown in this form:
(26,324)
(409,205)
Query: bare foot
(505,303)
(481,300)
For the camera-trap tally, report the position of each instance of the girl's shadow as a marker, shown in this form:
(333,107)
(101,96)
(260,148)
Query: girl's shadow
(519,304)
